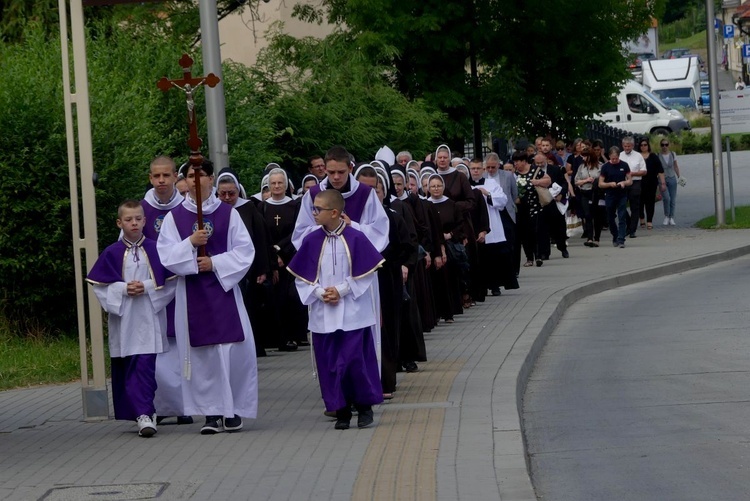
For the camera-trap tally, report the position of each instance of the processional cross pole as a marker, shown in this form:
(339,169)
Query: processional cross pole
(189,84)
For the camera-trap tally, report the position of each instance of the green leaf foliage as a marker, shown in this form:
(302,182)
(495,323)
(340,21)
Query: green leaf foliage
(543,65)
(327,92)
(132,122)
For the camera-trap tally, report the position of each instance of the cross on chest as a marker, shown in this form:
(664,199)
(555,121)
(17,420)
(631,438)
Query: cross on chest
(277,218)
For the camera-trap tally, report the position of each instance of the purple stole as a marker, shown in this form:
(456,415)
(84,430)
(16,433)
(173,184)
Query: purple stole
(154,219)
(354,204)
(363,257)
(109,267)
(211,312)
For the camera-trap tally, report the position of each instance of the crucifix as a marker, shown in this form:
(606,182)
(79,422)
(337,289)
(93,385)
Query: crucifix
(277,218)
(189,84)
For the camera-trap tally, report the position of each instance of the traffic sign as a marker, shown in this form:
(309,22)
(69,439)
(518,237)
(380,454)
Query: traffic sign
(728,31)
(717,23)
(746,51)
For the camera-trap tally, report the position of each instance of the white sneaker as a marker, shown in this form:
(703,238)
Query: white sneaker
(666,221)
(671,221)
(146,426)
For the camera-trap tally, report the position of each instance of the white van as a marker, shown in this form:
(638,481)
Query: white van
(640,112)
(676,81)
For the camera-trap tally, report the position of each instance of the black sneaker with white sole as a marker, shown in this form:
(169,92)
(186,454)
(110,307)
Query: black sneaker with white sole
(213,425)
(233,423)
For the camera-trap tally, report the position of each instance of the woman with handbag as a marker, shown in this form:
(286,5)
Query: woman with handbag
(586,180)
(447,265)
(529,222)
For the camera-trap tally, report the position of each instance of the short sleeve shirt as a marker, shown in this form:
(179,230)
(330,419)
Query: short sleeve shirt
(615,173)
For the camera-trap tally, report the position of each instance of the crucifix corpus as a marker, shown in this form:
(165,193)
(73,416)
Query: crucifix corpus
(189,84)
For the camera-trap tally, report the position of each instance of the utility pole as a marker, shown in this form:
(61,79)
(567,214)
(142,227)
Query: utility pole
(713,77)
(218,148)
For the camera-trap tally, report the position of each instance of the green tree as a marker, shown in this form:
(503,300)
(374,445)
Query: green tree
(326,92)
(542,64)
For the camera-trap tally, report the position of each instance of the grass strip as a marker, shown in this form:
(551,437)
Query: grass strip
(742,219)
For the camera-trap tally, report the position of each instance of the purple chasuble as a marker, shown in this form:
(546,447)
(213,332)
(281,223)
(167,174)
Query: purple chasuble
(154,218)
(354,204)
(212,312)
(108,268)
(363,257)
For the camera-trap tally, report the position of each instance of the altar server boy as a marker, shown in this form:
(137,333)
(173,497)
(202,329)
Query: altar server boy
(134,289)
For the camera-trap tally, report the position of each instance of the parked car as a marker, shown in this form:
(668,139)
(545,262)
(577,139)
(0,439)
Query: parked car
(675,53)
(636,59)
(701,62)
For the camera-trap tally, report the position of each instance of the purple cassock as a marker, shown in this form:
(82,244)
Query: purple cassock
(212,313)
(154,217)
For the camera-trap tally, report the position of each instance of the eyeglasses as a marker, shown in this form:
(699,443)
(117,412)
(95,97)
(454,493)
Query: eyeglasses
(665,144)
(317,210)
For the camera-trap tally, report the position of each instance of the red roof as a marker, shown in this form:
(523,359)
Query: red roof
(743,11)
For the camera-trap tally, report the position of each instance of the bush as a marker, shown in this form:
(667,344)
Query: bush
(132,122)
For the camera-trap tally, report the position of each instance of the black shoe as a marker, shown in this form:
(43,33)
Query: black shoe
(233,423)
(496,292)
(411,367)
(343,416)
(341,424)
(633,235)
(364,418)
(213,425)
(565,253)
(539,262)
(289,346)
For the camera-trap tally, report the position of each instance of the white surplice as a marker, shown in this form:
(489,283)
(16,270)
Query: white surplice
(220,379)
(137,324)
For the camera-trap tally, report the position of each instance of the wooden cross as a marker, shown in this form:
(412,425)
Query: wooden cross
(188,84)
(277,218)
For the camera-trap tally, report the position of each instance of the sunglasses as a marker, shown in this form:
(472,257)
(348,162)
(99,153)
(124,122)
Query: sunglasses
(646,144)
(665,144)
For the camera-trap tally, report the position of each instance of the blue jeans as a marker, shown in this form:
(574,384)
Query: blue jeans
(616,200)
(669,196)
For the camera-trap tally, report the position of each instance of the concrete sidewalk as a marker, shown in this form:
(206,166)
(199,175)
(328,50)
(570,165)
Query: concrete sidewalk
(451,432)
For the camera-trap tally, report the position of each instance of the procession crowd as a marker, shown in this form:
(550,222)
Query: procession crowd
(360,261)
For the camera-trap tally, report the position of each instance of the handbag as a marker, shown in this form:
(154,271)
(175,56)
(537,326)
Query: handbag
(682,181)
(456,252)
(574,226)
(545,197)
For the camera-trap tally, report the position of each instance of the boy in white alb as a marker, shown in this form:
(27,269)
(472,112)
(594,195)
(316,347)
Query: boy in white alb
(134,289)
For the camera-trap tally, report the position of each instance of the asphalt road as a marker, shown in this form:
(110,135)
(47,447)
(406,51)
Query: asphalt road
(643,393)
(696,200)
